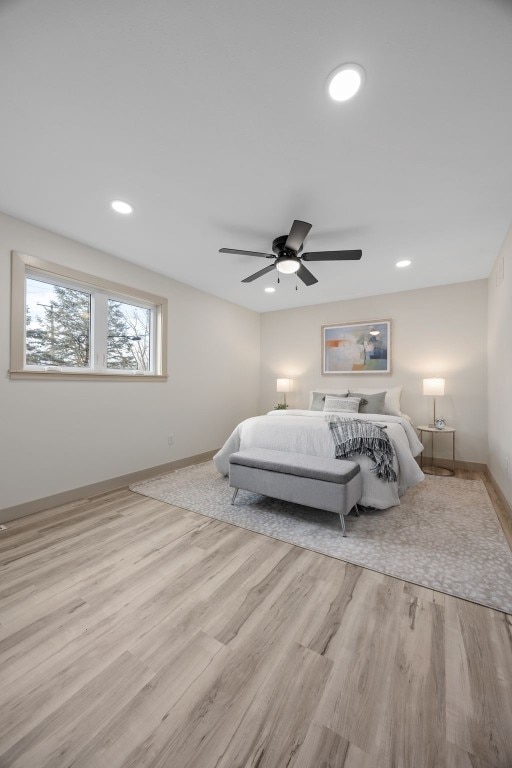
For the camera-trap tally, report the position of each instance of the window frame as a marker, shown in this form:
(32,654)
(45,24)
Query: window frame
(23,266)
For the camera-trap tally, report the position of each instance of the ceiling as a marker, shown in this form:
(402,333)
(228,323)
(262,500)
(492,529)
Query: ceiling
(211,118)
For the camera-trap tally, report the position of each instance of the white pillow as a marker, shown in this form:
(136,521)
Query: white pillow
(347,404)
(391,401)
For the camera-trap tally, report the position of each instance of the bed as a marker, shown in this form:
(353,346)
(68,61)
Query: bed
(307,431)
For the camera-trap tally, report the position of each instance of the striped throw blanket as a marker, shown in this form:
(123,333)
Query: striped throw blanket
(355,436)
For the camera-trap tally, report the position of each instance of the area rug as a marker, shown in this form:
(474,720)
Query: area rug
(444,535)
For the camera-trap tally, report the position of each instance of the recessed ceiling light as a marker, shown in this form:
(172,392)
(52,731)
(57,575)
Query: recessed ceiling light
(270,289)
(121,207)
(403,263)
(345,82)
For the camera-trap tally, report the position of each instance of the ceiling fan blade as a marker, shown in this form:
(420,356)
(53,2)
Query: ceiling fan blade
(298,234)
(332,256)
(306,276)
(259,274)
(247,253)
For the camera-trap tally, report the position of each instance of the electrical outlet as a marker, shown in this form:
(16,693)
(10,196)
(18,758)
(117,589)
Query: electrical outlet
(170,440)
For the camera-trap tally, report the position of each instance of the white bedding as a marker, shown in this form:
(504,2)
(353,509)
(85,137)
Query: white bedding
(307,432)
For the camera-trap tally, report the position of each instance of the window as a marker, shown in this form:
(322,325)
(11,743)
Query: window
(71,324)
(129,336)
(57,325)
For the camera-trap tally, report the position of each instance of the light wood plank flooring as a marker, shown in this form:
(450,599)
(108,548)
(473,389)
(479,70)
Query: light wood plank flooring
(135,634)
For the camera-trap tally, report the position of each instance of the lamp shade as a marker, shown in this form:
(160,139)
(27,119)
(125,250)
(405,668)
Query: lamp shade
(284,385)
(433,387)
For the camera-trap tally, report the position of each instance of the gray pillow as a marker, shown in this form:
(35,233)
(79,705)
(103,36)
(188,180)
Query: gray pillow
(318,400)
(370,403)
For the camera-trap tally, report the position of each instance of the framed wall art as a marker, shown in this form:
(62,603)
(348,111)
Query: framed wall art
(357,348)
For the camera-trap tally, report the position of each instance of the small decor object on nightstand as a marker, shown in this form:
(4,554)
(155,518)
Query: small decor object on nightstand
(440,423)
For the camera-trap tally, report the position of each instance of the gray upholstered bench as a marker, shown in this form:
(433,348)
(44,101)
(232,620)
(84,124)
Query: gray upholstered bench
(331,484)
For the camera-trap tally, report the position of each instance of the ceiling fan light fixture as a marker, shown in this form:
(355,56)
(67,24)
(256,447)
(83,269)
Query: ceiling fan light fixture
(269,289)
(345,82)
(288,266)
(403,263)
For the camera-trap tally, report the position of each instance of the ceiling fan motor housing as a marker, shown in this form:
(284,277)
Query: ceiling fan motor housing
(280,250)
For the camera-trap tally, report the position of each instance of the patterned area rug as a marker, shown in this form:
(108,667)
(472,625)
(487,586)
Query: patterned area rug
(444,535)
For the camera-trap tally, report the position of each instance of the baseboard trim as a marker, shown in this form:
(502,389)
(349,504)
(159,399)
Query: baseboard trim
(501,504)
(85,491)
(76,494)
(467,466)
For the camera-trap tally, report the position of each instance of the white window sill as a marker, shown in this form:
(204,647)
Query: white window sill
(81,376)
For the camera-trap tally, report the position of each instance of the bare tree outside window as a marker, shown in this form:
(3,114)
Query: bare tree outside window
(129,336)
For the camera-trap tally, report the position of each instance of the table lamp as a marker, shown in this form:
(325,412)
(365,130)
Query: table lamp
(434,388)
(284,386)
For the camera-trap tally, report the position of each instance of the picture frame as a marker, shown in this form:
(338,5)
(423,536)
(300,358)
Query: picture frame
(362,348)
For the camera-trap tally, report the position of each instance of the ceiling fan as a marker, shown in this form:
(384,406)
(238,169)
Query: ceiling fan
(288,258)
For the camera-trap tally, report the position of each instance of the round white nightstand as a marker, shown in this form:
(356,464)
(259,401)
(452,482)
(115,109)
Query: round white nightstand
(433,469)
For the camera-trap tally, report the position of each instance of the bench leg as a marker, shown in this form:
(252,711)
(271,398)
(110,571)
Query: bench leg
(234,495)
(356,510)
(342,521)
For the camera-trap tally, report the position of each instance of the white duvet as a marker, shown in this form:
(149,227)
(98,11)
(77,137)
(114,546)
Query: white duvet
(308,432)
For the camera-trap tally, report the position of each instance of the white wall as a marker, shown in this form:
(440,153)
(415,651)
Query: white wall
(57,436)
(500,369)
(435,332)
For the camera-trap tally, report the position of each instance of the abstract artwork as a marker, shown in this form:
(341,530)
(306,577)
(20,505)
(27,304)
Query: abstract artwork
(357,348)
